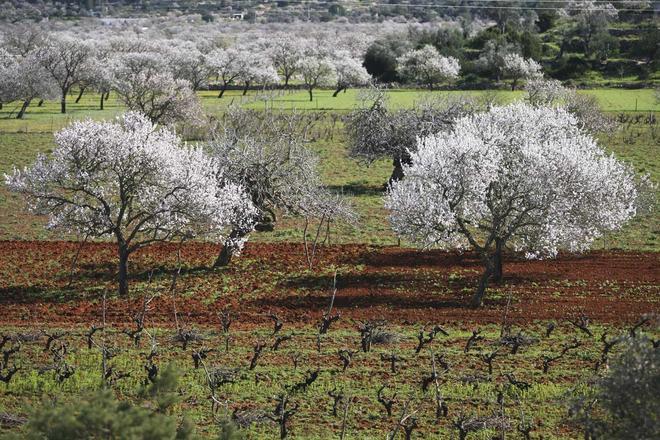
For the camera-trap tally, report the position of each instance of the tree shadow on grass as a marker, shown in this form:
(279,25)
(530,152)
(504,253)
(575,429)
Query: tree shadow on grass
(35,294)
(410,281)
(410,284)
(319,302)
(358,189)
(89,282)
(445,260)
(413,258)
(108,272)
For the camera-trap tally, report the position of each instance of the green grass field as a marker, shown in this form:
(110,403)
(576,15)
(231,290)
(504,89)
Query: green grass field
(21,140)
(466,388)
(49,119)
(376,283)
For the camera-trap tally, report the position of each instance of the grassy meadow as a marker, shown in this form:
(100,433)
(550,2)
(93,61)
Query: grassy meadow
(21,140)
(408,290)
(466,388)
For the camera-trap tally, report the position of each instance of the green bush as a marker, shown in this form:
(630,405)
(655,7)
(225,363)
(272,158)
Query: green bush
(625,404)
(102,415)
(380,59)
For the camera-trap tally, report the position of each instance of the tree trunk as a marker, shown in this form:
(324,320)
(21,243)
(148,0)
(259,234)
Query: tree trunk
(222,90)
(339,89)
(24,107)
(0,105)
(311,96)
(41,102)
(497,261)
(398,163)
(228,248)
(102,99)
(283,430)
(245,90)
(63,101)
(513,84)
(82,90)
(562,47)
(107,95)
(478,297)
(123,270)
(587,44)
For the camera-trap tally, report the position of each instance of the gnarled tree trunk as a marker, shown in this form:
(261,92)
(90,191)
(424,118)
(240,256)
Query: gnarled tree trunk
(398,162)
(24,107)
(80,94)
(492,272)
(478,297)
(497,261)
(229,248)
(123,270)
(339,89)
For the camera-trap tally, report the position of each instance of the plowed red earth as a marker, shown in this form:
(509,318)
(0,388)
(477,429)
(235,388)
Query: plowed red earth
(399,285)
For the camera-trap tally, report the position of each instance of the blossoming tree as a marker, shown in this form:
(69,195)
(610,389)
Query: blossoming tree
(374,131)
(550,92)
(316,71)
(131,181)
(23,79)
(226,63)
(264,152)
(257,71)
(285,53)
(65,60)
(516,68)
(350,72)
(522,177)
(143,84)
(427,66)
(190,64)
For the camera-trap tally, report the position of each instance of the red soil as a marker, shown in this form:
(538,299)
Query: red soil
(400,285)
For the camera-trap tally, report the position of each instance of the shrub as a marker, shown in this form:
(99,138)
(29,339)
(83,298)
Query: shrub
(102,415)
(625,403)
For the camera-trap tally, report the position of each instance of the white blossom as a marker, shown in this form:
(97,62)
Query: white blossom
(503,60)
(190,64)
(65,59)
(316,72)
(227,64)
(256,70)
(516,68)
(350,72)
(545,92)
(427,66)
(285,53)
(131,181)
(143,84)
(519,176)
